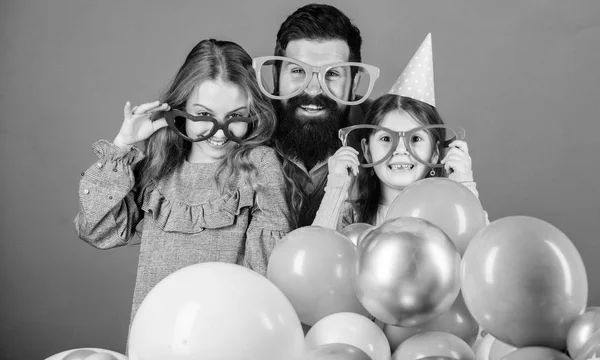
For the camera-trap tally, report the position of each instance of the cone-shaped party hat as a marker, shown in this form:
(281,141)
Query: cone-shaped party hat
(416,80)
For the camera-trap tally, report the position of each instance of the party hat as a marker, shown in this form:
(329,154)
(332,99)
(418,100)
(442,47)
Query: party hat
(416,80)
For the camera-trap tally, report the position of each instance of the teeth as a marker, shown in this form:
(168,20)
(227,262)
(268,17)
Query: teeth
(401,166)
(311,107)
(216,143)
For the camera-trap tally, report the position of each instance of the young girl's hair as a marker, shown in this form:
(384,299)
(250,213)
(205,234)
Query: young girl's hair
(368,184)
(210,60)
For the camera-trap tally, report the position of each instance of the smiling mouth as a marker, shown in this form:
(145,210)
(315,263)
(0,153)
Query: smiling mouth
(311,108)
(401,166)
(216,143)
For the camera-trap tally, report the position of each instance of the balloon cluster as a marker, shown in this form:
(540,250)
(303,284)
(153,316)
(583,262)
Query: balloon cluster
(421,285)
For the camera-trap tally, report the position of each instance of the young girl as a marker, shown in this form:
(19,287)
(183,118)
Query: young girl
(408,119)
(205,187)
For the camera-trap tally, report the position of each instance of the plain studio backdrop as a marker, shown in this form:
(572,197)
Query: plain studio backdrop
(521,76)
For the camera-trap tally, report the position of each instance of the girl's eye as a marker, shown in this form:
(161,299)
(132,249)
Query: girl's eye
(385,138)
(203,113)
(416,138)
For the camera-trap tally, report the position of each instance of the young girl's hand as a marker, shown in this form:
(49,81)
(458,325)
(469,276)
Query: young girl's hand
(345,158)
(457,162)
(137,125)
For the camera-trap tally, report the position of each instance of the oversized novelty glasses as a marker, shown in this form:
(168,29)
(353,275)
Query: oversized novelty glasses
(234,128)
(272,71)
(420,143)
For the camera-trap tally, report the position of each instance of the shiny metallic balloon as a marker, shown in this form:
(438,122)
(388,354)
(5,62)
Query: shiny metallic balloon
(355,231)
(407,272)
(591,349)
(582,330)
(457,321)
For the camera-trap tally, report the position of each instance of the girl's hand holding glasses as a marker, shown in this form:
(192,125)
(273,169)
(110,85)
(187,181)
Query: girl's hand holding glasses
(137,125)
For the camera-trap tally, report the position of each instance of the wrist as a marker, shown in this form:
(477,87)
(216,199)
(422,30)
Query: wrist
(461,177)
(120,143)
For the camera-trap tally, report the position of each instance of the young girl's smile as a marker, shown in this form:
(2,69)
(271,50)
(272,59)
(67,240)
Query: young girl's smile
(221,100)
(401,169)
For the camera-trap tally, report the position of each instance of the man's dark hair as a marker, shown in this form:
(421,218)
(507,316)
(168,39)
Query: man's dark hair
(319,22)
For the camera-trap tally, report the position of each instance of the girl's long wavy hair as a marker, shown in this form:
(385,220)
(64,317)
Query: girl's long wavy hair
(367,182)
(210,60)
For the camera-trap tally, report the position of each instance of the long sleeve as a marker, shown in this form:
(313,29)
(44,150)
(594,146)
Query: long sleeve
(108,213)
(332,205)
(270,214)
(473,187)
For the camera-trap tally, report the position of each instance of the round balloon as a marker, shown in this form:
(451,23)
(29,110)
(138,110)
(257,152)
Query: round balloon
(337,351)
(313,267)
(457,321)
(351,329)
(355,231)
(524,282)
(433,343)
(446,203)
(86,354)
(407,272)
(590,350)
(582,330)
(536,353)
(215,311)
(493,349)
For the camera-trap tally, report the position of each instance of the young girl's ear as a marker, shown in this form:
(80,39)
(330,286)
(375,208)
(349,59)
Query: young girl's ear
(436,155)
(365,149)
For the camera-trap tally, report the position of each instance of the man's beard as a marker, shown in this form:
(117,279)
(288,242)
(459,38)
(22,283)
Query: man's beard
(309,139)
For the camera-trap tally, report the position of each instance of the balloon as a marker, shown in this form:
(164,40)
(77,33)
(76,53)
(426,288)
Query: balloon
(337,351)
(355,231)
(524,282)
(457,321)
(582,329)
(215,311)
(447,204)
(351,329)
(87,354)
(313,268)
(437,358)
(408,272)
(493,349)
(536,353)
(433,343)
(99,356)
(80,354)
(590,350)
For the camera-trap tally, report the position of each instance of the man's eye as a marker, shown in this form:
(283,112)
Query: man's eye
(297,71)
(332,73)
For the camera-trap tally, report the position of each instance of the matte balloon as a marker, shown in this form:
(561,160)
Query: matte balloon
(355,231)
(524,282)
(352,329)
(493,349)
(590,350)
(433,343)
(408,272)
(446,203)
(80,354)
(215,311)
(582,330)
(536,353)
(313,267)
(337,351)
(457,321)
